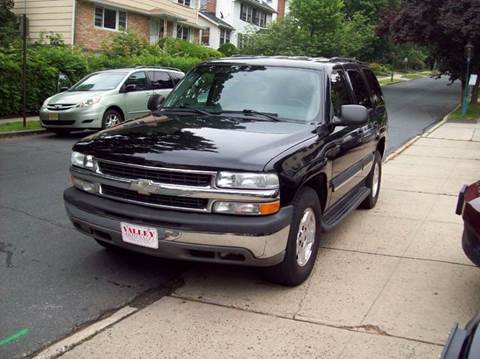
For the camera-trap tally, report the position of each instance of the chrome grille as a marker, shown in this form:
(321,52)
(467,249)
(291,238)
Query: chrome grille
(154,174)
(155,199)
(60,106)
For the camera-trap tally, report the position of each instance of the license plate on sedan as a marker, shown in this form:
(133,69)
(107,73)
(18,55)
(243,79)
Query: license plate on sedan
(139,235)
(53,116)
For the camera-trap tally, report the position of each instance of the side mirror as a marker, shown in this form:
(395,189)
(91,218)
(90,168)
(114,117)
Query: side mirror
(63,89)
(155,102)
(130,88)
(352,115)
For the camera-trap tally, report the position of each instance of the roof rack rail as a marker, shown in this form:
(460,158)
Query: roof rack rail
(346,59)
(157,67)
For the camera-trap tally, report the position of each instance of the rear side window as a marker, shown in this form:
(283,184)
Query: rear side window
(375,90)
(360,88)
(176,77)
(160,80)
(339,92)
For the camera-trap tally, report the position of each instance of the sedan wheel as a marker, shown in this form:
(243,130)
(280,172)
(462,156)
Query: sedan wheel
(111,118)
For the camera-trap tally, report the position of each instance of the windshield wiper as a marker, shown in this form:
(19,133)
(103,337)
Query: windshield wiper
(248,112)
(189,109)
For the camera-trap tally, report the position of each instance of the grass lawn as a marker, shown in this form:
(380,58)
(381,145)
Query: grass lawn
(473,114)
(385,82)
(18,126)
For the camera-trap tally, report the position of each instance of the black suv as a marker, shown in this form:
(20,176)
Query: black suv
(246,162)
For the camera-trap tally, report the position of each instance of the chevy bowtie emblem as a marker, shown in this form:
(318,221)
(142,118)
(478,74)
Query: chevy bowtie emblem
(144,186)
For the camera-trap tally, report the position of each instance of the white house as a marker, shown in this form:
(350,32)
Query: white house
(216,32)
(242,16)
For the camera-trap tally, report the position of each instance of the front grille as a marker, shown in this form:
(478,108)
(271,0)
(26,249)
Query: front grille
(178,178)
(155,199)
(58,122)
(60,106)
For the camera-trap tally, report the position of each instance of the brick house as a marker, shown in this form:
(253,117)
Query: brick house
(88,23)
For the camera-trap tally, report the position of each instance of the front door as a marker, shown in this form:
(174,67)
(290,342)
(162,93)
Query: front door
(154,30)
(137,98)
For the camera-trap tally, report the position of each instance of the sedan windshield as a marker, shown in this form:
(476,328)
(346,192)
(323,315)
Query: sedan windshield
(102,81)
(285,93)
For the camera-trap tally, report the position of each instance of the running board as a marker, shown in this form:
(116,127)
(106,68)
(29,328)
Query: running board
(343,208)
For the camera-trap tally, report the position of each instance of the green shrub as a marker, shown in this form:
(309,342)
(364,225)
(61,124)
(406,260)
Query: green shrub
(177,47)
(380,69)
(228,49)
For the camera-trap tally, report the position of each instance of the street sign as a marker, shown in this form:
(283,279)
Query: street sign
(473,80)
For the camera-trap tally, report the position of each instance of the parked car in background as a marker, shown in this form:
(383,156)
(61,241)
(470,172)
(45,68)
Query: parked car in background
(247,161)
(106,98)
(468,207)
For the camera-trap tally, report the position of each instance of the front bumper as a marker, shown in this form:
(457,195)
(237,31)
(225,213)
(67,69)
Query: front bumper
(84,118)
(253,241)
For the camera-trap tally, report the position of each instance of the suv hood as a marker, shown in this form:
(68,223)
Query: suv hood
(73,97)
(192,141)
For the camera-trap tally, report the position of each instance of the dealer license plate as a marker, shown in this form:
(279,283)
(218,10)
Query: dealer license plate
(53,116)
(139,235)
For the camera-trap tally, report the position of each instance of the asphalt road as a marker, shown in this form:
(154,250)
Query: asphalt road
(54,280)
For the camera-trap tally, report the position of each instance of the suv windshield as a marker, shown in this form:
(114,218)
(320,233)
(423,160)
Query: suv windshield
(102,81)
(289,93)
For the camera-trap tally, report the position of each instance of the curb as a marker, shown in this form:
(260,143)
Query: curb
(22,133)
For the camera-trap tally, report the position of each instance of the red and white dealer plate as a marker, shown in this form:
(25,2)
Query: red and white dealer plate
(139,235)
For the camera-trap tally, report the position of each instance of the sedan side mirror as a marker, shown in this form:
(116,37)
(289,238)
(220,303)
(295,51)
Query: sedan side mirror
(352,115)
(155,102)
(130,88)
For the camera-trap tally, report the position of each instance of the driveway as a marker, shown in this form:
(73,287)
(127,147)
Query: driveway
(54,280)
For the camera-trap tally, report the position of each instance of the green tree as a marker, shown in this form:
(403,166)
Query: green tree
(8,24)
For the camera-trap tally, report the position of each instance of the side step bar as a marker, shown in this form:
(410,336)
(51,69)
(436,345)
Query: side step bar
(343,208)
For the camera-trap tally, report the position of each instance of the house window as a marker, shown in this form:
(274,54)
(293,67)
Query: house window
(110,19)
(253,15)
(224,36)
(206,37)
(183,32)
(184,2)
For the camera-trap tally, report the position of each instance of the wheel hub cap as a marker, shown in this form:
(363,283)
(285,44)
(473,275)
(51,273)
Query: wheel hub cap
(306,237)
(112,120)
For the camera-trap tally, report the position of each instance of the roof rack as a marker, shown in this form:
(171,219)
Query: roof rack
(157,67)
(346,59)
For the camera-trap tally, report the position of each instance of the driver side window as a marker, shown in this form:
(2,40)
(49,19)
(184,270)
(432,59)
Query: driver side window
(339,92)
(139,79)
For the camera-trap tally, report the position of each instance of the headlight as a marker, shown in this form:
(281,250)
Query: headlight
(45,103)
(243,208)
(248,180)
(80,160)
(91,101)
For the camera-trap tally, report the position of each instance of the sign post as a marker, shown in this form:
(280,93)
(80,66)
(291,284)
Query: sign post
(23,32)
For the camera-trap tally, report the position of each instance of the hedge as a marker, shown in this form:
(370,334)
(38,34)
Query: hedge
(46,62)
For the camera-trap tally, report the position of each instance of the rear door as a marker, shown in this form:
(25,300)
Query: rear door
(162,84)
(137,100)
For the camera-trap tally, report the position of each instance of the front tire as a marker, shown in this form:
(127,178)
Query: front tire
(303,241)
(111,117)
(373,182)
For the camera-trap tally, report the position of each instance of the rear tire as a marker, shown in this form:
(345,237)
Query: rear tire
(111,117)
(303,241)
(373,182)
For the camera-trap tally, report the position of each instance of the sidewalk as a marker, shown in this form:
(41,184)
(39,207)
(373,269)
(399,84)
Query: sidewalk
(388,283)
(19,119)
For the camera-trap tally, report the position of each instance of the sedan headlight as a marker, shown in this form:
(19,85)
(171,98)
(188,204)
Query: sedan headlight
(91,101)
(45,103)
(84,161)
(248,180)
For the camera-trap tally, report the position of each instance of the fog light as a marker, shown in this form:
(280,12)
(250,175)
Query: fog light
(243,208)
(85,185)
